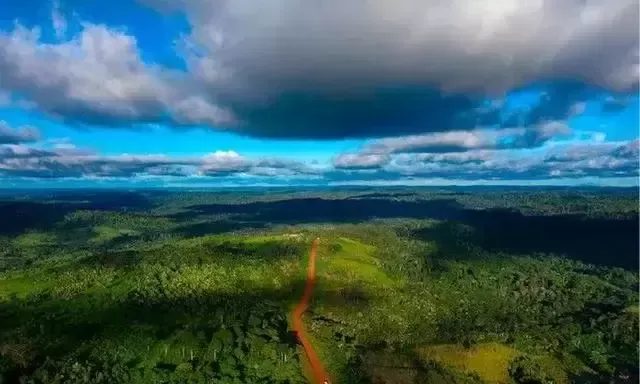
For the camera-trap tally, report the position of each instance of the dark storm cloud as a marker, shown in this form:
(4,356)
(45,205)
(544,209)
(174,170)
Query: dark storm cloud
(384,112)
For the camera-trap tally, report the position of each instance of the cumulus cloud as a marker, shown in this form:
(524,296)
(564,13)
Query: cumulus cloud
(454,141)
(60,163)
(14,151)
(224,162)
(457,45)
(561,160)
(281,167)
(332,69)
(98,77)
(578,152)
(382,67)
(22,134)
(68,161)
(608,159)
(361,160)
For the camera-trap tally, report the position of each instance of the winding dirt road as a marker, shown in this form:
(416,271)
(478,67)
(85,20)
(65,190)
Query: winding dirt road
(318,372)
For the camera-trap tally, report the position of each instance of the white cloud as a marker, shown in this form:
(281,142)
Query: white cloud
(98,77)
(570,181)
(99,73)
(361,160)
(577,109)
(562,160)
(474,139)
(67,146)
(224,162)
(609,159)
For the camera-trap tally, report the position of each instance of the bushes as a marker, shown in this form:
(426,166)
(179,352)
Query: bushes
(524,370)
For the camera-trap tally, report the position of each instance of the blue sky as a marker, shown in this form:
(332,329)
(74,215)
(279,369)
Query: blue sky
(284,92)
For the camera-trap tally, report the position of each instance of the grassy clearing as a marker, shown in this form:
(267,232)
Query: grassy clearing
(104,234)
(34,239)
(354,264)
(489,361)
(351,285)
(21,285)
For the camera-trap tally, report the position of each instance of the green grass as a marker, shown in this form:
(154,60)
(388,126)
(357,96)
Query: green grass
(103,233)
(354,264)
(351,285)
(21,285)
(34,239)
(489,361)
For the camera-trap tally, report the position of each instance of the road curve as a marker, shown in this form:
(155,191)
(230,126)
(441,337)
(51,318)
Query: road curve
(318,371)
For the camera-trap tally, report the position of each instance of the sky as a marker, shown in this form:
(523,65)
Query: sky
(201,93)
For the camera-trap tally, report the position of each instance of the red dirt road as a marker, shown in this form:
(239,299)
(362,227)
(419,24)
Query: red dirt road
(318,372)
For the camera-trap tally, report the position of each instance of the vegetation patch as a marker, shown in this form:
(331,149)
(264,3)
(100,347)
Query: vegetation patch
(490,361)
(103,233)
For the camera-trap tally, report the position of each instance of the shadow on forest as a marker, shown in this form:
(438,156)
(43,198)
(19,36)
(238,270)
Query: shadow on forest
(44,326)
(108,200)
(215,227)
(212,252)
(381,195)
(317,210)
(600,241)
(19,216)
(603,241)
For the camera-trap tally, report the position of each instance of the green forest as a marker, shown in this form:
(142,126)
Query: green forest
(414,285)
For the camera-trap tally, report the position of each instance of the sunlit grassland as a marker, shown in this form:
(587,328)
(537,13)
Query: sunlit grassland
(352,289)
(489,361)
(34,239)
(103,233)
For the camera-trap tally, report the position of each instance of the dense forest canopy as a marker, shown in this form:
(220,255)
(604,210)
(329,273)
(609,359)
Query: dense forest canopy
(458,285)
